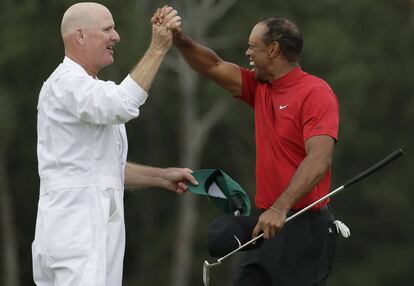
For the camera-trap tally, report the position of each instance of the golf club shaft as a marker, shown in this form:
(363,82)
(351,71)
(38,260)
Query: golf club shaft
(394,155)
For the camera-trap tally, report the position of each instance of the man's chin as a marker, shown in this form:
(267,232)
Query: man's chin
(259,77)
(108,62)
(262,77)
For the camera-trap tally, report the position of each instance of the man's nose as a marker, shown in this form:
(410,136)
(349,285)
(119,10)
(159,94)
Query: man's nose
(116,36)
(247,53)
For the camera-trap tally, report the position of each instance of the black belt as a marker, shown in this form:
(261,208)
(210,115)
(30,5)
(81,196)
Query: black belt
(310,213)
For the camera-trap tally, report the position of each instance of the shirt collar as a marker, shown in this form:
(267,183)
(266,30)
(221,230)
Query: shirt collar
(288,78)
(73,64)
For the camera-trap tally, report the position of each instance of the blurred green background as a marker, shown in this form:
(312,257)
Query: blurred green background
(363,48)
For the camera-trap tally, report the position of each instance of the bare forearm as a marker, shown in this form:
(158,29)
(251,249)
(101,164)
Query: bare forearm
(200,58)
(173,179)
(311,170)
(206,62)
(139,176)
(307,176)
(144,72)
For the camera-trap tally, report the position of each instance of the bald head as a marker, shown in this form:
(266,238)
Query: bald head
(89,35)
(81,15)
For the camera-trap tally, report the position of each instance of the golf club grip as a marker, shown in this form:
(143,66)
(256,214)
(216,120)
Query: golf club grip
(394,155)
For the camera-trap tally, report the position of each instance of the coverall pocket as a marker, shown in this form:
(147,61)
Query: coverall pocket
(37,262)
(68,232)
(110,203)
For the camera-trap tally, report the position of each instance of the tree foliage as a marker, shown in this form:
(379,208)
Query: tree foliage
(363,49)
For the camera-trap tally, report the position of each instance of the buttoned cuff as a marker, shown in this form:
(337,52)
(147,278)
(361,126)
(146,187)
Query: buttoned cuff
(138,94)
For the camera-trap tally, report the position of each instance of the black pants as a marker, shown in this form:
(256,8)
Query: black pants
(301,254)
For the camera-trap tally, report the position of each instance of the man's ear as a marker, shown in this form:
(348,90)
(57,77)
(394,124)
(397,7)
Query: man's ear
(274,49)
(80,37)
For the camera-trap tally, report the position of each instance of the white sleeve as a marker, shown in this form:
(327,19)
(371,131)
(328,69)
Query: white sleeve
(100,102)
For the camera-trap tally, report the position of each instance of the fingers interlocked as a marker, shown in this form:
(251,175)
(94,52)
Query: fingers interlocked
(167,17)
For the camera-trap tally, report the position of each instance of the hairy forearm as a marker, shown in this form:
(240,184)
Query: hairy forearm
(144,72)
(308,175)
(200,58)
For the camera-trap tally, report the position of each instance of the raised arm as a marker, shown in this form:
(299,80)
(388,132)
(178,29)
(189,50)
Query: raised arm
(144,72)
(206,62)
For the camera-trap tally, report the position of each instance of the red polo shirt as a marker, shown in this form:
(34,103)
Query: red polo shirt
(288,111)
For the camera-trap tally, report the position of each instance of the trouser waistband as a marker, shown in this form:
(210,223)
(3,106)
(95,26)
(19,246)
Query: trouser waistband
(311,213)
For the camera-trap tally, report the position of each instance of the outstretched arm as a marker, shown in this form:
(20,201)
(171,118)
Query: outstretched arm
(206,62)
(173,179)
(202,59)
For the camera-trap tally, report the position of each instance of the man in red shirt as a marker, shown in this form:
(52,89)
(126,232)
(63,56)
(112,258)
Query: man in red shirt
(296,123)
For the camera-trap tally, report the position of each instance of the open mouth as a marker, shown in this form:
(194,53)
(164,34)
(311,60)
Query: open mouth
(252,65)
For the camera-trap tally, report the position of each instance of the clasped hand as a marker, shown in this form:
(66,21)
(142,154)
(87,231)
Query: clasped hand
(164,21)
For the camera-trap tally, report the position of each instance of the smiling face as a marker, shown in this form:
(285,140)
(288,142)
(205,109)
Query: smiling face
(89,35)
(100,37)
(259,53)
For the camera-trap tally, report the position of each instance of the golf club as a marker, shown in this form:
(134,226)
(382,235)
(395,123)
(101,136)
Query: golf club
(394,155)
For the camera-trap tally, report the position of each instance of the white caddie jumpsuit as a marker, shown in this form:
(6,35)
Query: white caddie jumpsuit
(82,149)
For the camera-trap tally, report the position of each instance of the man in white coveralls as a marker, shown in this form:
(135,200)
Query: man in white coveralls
(82,151)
